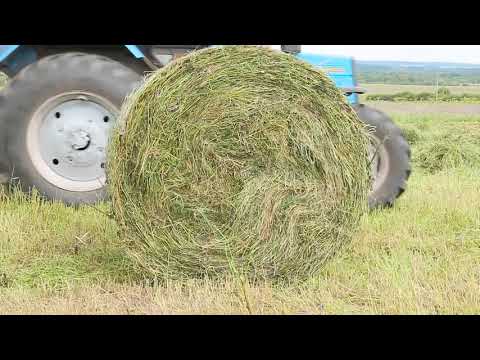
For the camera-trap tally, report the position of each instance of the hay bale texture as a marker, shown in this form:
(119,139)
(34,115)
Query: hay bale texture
(237,159)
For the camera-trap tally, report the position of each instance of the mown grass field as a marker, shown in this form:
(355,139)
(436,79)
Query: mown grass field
(421,257)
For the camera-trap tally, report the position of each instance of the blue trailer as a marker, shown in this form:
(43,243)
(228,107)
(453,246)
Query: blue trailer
(58,108)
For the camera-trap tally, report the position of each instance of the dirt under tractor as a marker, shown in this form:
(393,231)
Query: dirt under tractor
(61,102)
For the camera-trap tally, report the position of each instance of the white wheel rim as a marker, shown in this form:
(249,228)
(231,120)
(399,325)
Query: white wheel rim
(67,139)
(379,163)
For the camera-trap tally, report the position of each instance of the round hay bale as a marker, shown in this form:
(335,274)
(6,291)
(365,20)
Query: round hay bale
(238,160)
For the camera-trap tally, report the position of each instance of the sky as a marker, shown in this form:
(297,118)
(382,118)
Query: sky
(423,53)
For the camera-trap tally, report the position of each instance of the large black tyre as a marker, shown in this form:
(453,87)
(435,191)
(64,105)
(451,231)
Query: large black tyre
(393,153)
(70,81)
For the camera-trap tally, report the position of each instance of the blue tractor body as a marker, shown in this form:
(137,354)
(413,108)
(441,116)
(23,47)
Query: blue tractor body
(6,50)
(78,83)
(340,69)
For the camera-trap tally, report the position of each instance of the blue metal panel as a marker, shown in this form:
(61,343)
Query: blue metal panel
(353,99)
(135,51)
(338,68)
(343,82)
(6,50)
(19,58)
(338,65)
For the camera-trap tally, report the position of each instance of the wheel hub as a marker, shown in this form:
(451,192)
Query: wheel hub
(81,140)
(68,138)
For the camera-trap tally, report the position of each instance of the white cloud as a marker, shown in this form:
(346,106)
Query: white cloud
(437,53)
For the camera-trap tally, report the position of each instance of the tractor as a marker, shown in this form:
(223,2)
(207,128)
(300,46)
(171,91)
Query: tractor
(61,102)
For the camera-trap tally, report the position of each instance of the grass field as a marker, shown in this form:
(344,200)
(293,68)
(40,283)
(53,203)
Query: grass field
(421,257)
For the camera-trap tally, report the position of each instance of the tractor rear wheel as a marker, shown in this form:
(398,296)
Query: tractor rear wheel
(390,158)
(57,114)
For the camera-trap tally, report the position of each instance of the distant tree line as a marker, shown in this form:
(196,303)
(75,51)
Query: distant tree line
(397,76)
(418,79)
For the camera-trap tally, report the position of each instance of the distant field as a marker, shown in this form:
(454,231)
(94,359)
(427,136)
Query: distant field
(425,108)
(420,107)
(392,89)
